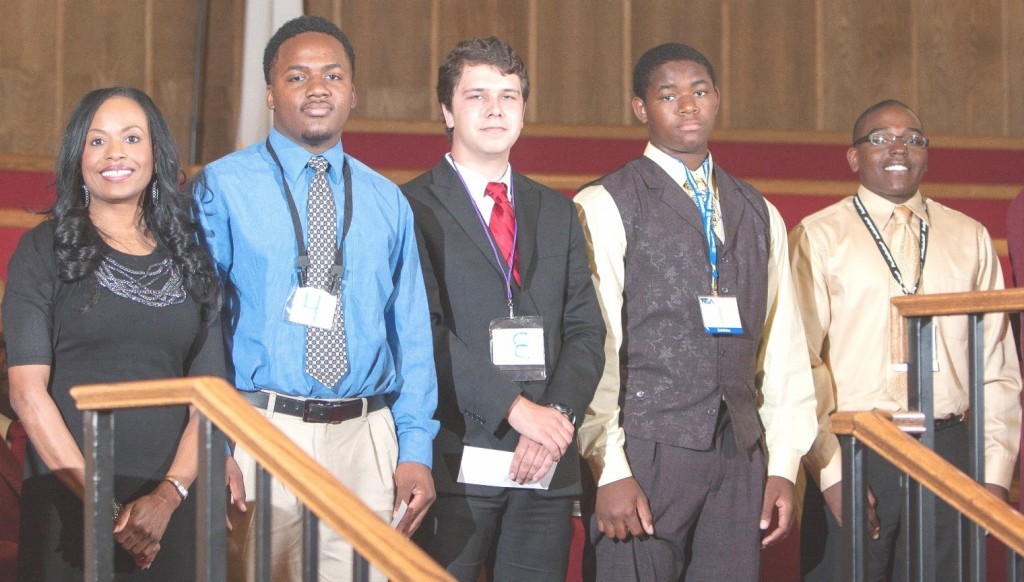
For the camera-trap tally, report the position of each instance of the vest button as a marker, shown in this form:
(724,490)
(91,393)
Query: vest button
(640,394)
(712,411)
(725,289)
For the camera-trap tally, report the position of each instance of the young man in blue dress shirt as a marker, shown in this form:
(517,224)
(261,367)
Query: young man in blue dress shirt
(381,448)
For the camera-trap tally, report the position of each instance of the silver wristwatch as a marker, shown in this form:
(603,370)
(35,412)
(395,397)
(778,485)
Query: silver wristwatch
(565,410)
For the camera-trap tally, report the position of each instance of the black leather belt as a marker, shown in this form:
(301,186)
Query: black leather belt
(320,411)
(941,423)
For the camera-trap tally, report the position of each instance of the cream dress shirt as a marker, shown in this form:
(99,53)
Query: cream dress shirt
(843,285)
(784,379)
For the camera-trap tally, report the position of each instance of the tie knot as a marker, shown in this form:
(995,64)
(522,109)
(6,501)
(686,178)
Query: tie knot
(902,214)
(701,185)
(497,191)
(319,164)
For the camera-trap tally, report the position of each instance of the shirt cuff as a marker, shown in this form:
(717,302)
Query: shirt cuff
(999,470)
(609,465)
(416,446)
(831,473)
(785,464)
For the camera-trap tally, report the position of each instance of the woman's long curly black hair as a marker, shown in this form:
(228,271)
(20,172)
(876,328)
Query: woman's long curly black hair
(172,222)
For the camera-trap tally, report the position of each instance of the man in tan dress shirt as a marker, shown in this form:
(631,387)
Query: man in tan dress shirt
(844,285)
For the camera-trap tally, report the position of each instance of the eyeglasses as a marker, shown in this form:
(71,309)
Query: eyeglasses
(881,138)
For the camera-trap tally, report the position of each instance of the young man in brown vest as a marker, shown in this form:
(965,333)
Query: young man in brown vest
(692,272)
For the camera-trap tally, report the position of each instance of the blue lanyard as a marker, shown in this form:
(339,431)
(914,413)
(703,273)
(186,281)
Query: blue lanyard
(706,206)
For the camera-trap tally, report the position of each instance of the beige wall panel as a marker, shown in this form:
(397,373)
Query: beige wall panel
(392,45)
(104,42)
(1013,66)
(28,88)
(960,47)
(697,23)
(325,8)
(579,62)
(173,61)
(867,57)
(462,19)
(222,79)
(784,64)
(772,65)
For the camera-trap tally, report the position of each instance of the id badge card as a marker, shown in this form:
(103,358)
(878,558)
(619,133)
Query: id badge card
(311,307)
(517,347)
(721,315)
(905,366)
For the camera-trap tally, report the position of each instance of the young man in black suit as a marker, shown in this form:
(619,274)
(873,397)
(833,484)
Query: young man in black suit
(518,334)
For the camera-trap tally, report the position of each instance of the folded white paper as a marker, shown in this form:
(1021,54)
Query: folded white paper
(404,507)
(490,467)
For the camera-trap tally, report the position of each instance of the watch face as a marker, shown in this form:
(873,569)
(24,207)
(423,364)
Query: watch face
(565,410)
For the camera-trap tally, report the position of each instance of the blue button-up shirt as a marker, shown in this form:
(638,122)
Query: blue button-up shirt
(387,324)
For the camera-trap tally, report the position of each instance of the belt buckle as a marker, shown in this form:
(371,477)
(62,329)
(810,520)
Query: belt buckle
(334,409)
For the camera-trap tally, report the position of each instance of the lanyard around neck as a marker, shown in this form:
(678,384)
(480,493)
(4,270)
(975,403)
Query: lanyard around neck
(887,254)
(505,274)
(302,261)
(706,206)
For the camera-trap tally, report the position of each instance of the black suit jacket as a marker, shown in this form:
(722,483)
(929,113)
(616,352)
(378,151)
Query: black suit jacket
(466,291)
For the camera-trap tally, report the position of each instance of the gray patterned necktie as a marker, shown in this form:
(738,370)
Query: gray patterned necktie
(326,349)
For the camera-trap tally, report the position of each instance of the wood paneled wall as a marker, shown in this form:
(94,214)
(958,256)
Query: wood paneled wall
(785,65)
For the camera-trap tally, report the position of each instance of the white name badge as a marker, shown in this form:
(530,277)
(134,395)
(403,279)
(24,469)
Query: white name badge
(517,347)
(721,315)
(311,307)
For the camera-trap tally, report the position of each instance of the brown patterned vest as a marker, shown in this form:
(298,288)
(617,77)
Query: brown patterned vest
(674,375)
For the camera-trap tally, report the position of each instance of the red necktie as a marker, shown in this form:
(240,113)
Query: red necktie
(16,434)
(503,225)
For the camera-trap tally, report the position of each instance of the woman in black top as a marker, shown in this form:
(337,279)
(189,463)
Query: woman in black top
(116,285)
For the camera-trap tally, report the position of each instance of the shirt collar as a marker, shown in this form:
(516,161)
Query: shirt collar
(675,168)
(295,157)
(880,210)
(477,183)
(5,425)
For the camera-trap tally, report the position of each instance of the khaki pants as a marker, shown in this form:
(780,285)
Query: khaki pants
(361,453)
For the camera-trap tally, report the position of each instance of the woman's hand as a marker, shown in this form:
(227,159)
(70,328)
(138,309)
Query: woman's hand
(143,522)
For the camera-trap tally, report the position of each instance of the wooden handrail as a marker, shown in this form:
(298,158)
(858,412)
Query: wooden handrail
(876,430)
(959,303)
(332,502)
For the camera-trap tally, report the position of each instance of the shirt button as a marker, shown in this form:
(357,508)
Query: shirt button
(640,394)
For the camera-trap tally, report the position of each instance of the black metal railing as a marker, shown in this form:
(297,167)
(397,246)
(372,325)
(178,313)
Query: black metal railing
(222,414)
(918,550)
